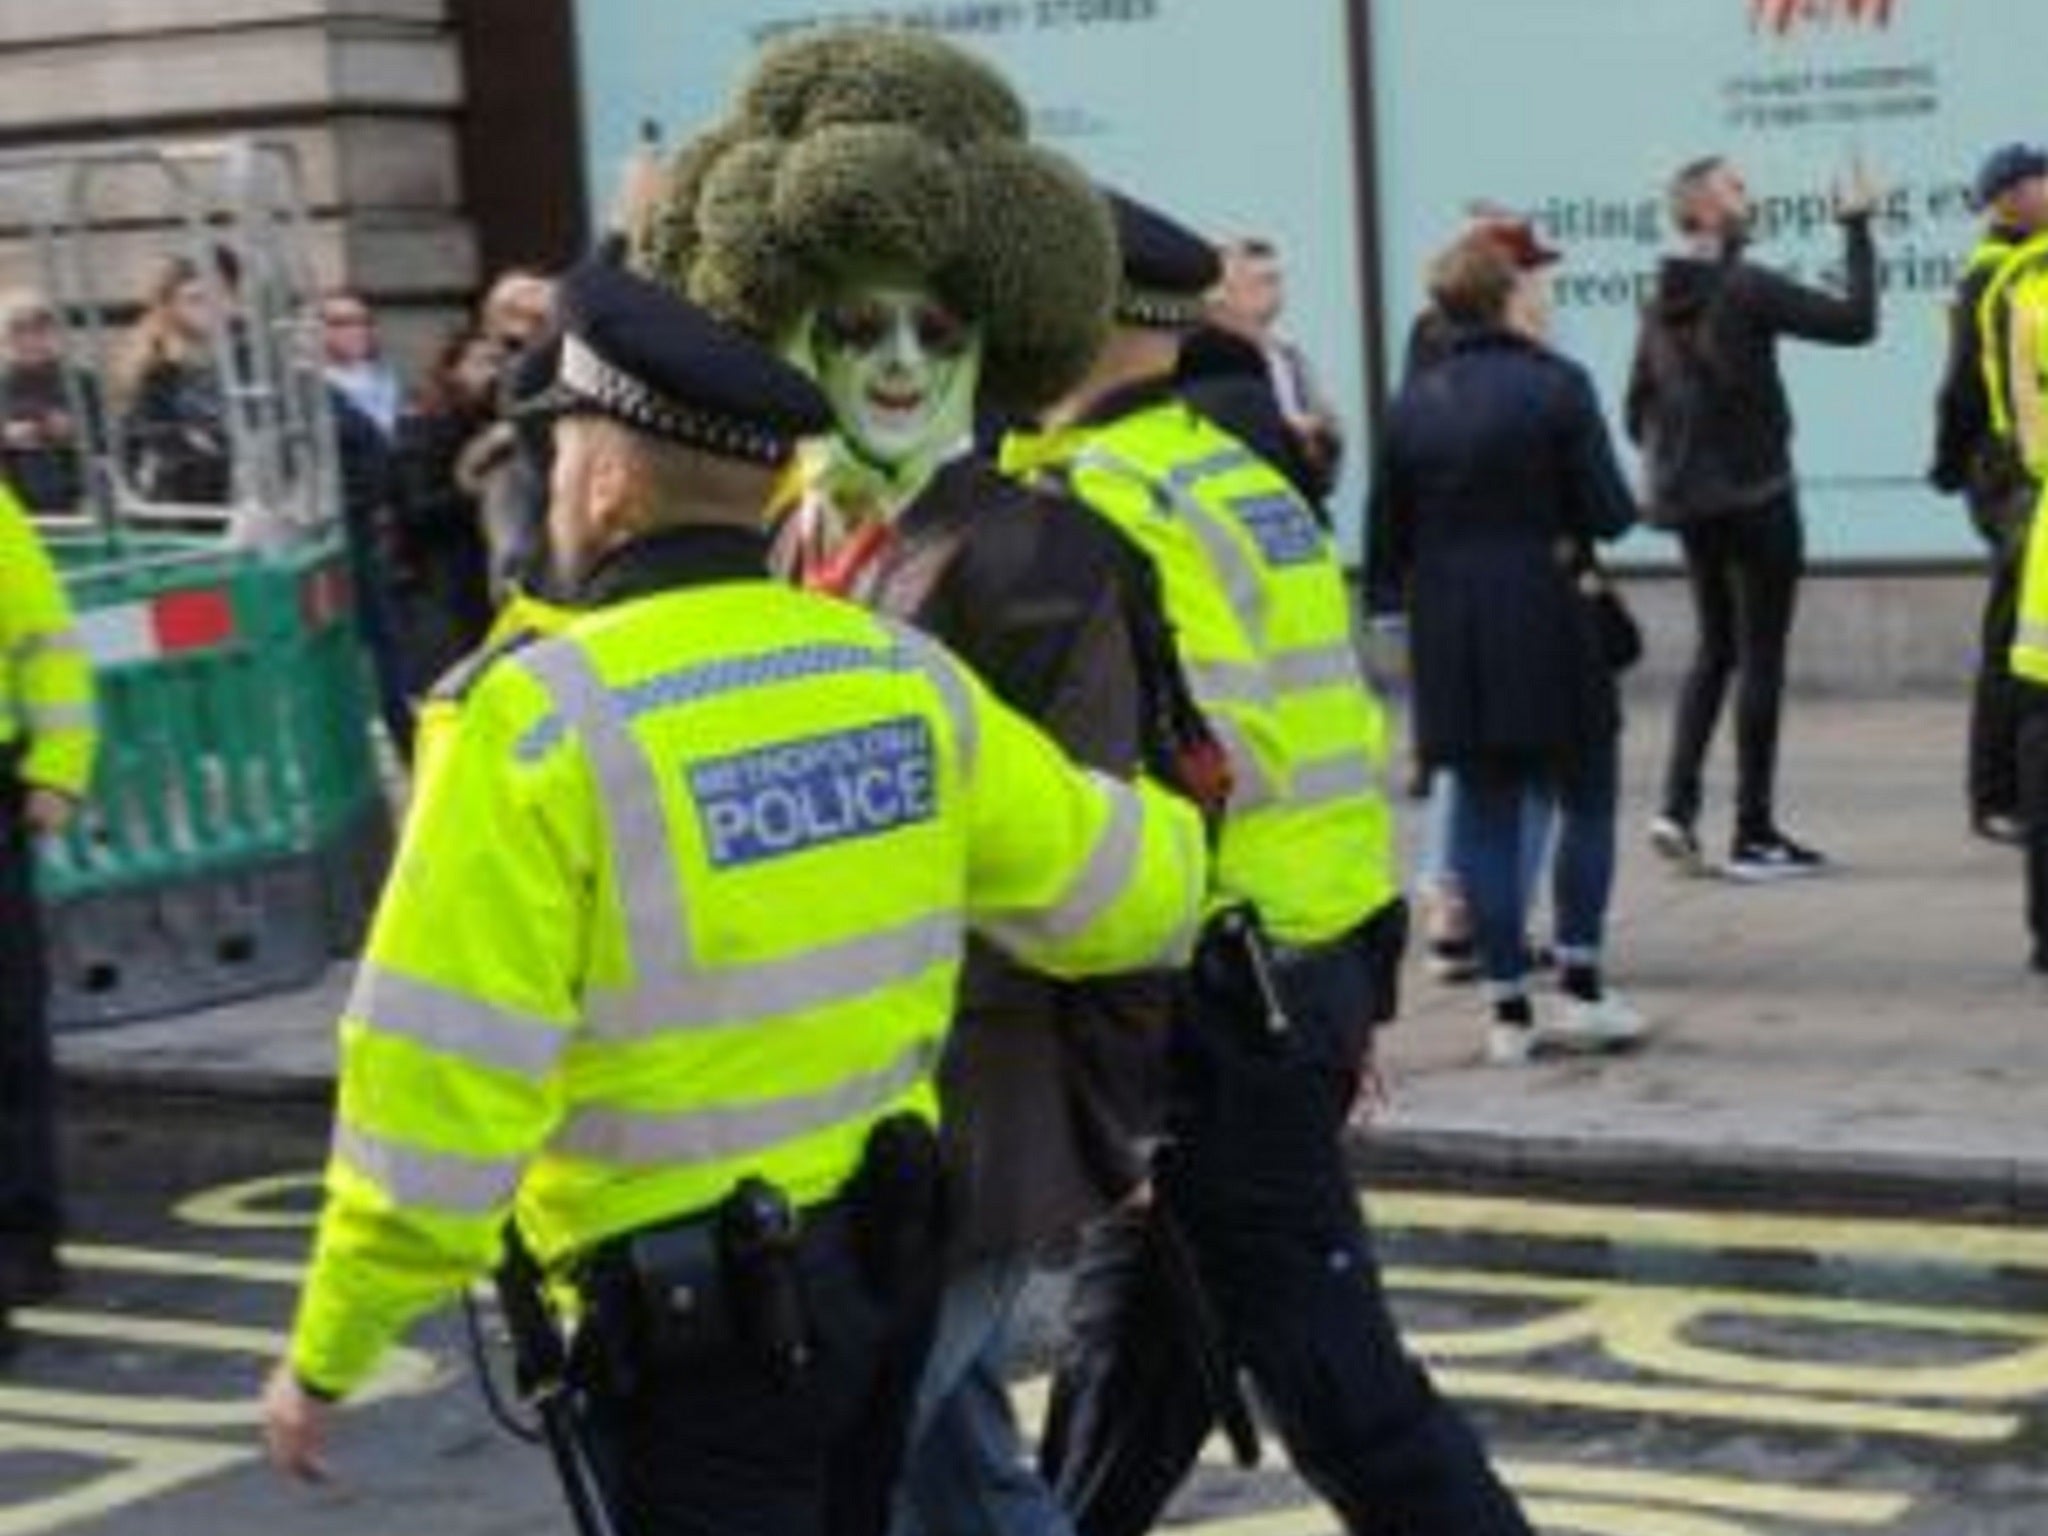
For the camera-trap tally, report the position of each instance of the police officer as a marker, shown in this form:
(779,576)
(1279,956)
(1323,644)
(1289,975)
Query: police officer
(1974,458)
(668,951)
(1295,968)
(46,755)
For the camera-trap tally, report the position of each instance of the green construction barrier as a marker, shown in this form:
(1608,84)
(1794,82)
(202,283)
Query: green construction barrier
(237,824)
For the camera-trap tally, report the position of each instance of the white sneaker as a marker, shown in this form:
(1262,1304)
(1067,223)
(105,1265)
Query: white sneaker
(1510,1045)
(1676,844)
(1608,1023)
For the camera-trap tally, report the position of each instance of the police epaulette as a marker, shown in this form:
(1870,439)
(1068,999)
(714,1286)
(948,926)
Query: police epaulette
(455,684)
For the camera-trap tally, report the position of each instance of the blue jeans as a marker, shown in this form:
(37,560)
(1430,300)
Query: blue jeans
(965,1472)
(1488,842)
(1435,862)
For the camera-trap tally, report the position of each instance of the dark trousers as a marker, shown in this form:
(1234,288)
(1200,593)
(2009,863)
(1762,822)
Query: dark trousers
(2033,807)
(714,1443)
(1995,700)
(29,1206)
(1255,1182)
(1744,570)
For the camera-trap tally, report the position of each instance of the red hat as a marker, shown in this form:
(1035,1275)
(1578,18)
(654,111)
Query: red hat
(1517,239)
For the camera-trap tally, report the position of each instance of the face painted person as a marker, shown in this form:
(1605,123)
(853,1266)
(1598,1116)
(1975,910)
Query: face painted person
(1253,1170)
(931,259)
(670,946)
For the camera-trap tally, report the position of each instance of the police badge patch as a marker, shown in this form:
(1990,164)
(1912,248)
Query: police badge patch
(815,791)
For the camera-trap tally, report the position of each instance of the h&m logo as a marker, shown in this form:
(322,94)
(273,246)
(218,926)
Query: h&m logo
(1781,18)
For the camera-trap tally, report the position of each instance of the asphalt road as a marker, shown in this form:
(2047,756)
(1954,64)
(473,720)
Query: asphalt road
(1638,1372)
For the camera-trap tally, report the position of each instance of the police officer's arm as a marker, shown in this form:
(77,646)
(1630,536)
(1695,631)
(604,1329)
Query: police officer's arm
(465,999)
(1217,636)
(45,674)
(1071,871)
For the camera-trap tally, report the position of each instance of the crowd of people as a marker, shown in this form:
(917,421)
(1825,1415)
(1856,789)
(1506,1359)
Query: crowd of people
(444,510)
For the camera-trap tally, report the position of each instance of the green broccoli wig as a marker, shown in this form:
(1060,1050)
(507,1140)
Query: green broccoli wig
(857,150)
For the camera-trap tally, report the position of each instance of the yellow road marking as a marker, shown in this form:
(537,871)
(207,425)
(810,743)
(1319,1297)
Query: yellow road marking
(1931,1242)
(408,1373)
(1644,1325)
(145,1467)
(1572,1517)
(1805,1413)
(240,1207)
(182,1265)
(1721,1495)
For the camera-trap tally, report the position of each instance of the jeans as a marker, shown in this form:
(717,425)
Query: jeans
(1744,570)
(29,1205)
(965,1472)
(1436,861)
(1490,838)
(1254,1177)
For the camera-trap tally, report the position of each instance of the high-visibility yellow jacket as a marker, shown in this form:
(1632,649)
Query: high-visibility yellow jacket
(1264,624)
(46,691)
(2013,343)
(681,899)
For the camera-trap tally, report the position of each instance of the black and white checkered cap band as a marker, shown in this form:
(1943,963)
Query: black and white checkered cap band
(609,389)
(1150,308)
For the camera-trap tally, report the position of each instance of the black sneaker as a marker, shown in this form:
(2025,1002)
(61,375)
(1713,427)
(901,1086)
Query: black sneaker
(1773,857)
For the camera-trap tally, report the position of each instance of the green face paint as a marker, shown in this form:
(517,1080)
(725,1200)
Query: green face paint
(901,370)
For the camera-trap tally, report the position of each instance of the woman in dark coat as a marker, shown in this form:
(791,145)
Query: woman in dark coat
(1496,479)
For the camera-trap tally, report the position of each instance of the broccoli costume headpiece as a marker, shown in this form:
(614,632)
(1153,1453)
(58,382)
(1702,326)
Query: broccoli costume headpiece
(856,150)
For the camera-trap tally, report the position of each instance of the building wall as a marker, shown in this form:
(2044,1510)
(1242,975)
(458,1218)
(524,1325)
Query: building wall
(367,92)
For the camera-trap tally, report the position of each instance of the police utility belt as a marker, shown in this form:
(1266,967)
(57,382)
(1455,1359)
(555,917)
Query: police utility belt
(1236,953)
(732,1278)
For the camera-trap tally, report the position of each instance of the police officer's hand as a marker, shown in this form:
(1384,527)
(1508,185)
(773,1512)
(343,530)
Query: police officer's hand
(295,1425)
(49,811)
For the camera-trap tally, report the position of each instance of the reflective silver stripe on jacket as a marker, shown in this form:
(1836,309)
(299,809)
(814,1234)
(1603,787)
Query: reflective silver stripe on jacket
(629,804)
(1334,778)
(453,1023)
(428,1181)
(671,988)
(1250,785)
(641,1139)
(2033,634)
(49,719)
(937,664)
(1226,556)
(1111,866)
(54,642)
(1229,682)
(1327,666)
(701,997)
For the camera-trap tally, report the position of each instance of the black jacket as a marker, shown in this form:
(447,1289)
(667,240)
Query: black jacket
(1046,1084)
(1225,377)
(1495,470)
(1717,323)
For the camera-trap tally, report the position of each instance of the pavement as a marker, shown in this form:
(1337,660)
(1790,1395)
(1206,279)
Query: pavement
(1870,1037)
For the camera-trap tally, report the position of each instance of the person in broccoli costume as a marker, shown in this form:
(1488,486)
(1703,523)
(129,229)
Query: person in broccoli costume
(874,207)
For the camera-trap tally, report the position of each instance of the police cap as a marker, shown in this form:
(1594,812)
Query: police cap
(1168,268)
(2005,168)
(643,355)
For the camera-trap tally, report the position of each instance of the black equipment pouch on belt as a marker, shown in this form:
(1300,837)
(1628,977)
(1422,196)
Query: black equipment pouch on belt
(733,1276)
(897,1203)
